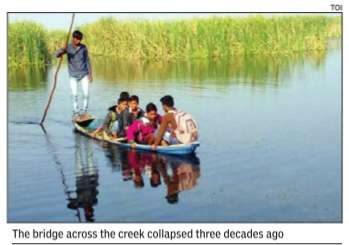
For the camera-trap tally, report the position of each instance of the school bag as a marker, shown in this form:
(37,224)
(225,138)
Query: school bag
(187,128)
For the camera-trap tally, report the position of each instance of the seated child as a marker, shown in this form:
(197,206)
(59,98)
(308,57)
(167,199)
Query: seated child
(177,127)
(142,131)
(135,112)
(113,123)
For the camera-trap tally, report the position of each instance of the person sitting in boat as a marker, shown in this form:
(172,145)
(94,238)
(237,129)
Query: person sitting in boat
(177,127)
(125,115)
(142,131)
(114,122)
(134,111)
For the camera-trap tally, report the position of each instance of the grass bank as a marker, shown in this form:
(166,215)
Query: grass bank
(27,44)
(214,37)
(211,37)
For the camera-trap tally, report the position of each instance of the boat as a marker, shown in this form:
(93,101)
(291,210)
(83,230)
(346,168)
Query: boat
(90,125)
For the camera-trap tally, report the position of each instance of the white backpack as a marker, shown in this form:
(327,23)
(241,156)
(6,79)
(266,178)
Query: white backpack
(187,130)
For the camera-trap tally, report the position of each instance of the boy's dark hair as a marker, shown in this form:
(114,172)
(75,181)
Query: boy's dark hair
(124,95)
(134,98)
(78,35)
(151,107)
(167,100)
(120,100)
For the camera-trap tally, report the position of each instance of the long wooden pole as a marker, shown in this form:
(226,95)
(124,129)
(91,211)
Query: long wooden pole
(56,73)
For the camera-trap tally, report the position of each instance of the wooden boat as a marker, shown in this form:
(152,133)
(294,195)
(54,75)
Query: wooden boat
(90,125)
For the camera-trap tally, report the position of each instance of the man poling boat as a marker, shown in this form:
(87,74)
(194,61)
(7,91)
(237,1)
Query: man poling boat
(176,132)
(80,73)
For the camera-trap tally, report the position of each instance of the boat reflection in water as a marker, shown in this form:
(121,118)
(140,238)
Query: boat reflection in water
(140,169)
(177,173)
(86,179)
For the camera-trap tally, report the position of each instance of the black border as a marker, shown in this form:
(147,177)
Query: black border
(179,222)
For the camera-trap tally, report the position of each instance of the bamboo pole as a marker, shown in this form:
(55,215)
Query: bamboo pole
(56,73)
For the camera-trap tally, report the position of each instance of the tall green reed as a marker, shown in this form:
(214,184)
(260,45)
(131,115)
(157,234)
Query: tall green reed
(27,44)
(160,40)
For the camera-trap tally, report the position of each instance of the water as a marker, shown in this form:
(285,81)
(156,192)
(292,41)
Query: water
(270,133)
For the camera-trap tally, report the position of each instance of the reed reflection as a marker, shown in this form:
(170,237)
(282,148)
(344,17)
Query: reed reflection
(254,70)
(27,78)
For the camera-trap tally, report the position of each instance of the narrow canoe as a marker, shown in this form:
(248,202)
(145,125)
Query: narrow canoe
(89,126)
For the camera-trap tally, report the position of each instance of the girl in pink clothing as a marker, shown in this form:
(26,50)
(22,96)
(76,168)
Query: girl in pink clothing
(142,131)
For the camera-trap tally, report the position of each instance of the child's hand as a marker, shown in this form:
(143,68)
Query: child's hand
(93,134)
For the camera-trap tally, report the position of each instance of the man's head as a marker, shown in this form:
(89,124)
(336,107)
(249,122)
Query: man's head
(133,102)
(167,102)
(122,104)
(172,198)
(152,111)
(172,191)
(77,37)
(124,95)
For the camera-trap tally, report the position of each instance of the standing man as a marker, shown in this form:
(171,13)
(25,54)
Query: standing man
(80,71)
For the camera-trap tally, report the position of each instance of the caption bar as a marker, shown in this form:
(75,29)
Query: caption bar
(139,234)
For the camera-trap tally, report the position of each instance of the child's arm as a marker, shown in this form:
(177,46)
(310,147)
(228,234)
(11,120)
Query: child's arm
(94,133)
(104,126)
(131,132)
(162,129)
(125,117)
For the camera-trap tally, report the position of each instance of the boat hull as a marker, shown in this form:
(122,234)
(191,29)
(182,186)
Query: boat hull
(178,149)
